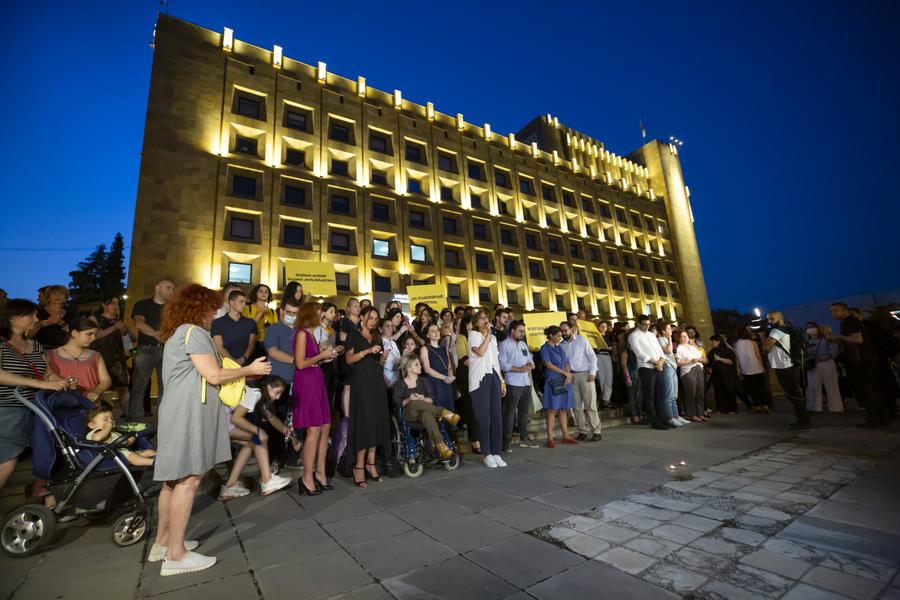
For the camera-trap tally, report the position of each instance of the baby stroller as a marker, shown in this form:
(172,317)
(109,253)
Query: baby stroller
(413,447)
(88,479)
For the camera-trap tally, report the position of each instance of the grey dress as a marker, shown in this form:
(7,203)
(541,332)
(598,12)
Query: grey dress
(192,436)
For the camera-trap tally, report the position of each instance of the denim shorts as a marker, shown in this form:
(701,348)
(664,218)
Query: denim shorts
(15,431)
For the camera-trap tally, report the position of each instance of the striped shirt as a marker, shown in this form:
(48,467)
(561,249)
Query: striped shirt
(13,362)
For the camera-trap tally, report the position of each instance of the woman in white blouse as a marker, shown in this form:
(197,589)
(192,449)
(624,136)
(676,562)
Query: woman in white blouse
(486,387)
(690,362)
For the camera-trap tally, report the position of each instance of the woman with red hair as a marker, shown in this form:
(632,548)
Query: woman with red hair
(192,434)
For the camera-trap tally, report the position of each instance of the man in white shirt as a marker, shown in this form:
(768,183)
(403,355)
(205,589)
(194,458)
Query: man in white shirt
(778,345)
(583,363)
(650,361)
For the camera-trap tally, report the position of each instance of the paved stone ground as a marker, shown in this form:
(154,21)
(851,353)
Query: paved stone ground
(768,514)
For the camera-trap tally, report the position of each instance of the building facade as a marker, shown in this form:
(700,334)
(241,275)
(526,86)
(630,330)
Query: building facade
(251,158)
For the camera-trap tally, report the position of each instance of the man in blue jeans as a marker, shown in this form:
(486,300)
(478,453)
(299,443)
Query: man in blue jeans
(651,361)
(147,317)
(516,364)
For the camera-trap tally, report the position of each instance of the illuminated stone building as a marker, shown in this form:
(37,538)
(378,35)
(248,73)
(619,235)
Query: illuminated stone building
(251,158)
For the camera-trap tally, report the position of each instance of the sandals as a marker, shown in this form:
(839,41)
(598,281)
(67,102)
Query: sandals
(376,477)
(362,483)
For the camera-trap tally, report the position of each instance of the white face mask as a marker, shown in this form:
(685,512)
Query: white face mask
(812,331)
(289,319)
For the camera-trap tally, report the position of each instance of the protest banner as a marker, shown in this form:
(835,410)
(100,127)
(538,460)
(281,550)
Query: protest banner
(535,323)
(317,278)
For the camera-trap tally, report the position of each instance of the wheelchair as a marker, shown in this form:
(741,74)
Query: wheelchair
(413,448)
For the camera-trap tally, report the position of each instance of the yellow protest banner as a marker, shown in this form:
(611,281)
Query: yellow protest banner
(592,335)
(535,323)
(434,295)
(316,277)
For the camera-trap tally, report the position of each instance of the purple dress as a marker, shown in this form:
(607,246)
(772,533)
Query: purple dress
(310,394)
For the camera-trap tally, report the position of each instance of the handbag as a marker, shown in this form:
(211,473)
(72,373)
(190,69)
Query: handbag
(231,393)
(810,363)
(559,388)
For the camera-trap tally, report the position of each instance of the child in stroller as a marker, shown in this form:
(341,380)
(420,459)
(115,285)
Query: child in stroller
(100,422)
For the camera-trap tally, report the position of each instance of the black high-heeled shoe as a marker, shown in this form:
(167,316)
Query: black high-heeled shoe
(378,477)
(362,483)
(302,489)
(322,487)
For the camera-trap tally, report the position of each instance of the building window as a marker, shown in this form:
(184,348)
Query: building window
(673,290)
(642,264)
(414,186)
(526,186)
(648,287)
(611,258)
(507,237)
(378,143)
(294,235)
(417,219)
(660,288)
(503,208)
(568,199)
(560,303)
(415,153)
(501,178)
(446,193)
(339,132)
(605,211)
(479,231)
(446,162)
(339,205)
(632,285)
(553,246)
(534,269)
(557,273)
(620,215)
(450,225)
(244,186)
(484,294)
(476,171)
(628,260)
(579,302)
(578,276)
(248,107)
(381,248)
(512,297)
(417,254)
(244,229)
(295,120)
(340,167)
(451,258)
(575,250)
(475,201)
(537,299)
(482,263)
(240,272)
(379,177)
(340,242)
(294,157)
(342,281)
(381,284)
(510,266)
(594,254)
(454,291)
(246,145)
(657,267)
(586,205)
(547,193)
(616,282)
(381,212)
(295,195)
(599,280)
(531,241)
(670,269)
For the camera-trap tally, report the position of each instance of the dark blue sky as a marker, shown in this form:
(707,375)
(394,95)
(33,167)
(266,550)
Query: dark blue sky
(788,111)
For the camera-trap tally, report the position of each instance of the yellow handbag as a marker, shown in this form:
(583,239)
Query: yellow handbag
(231,393)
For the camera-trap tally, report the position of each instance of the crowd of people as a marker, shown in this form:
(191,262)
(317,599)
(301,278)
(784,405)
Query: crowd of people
(318,380)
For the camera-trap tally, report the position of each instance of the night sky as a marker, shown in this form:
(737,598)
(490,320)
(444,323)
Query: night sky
(789,114)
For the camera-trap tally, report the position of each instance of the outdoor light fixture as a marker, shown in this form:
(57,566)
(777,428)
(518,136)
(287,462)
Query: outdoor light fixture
(555,157)
(321,72)
(277,57)
(512,141)
(460,122)
(487,131)
(398,99)
(429,110)
(534,149)
(361,86)
(574,164)
(228,39)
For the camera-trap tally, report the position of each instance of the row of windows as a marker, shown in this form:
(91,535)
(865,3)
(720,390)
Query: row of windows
(243,273)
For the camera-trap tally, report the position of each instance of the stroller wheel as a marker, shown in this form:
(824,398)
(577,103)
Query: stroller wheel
(453,463)
(27,530)
(129,529)
(413,470)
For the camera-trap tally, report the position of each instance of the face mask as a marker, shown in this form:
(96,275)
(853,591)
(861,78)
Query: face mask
(812,331)
(289,319)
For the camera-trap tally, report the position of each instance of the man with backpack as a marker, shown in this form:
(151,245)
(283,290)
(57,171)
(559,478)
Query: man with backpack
(786,348)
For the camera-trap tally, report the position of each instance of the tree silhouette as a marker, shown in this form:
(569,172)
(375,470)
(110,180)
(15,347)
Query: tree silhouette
(113,276)
(100,275)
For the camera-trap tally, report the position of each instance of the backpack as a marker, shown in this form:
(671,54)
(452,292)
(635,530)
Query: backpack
(797,350)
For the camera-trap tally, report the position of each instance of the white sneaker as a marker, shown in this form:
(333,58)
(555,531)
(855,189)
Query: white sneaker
(676,422)
(500,462)
(235,491)
(274,484)
(191,563)
(490,461)
(158,552)
(683,420)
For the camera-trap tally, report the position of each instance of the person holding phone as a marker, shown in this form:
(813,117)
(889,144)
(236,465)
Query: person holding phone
(369,419)
(486,386)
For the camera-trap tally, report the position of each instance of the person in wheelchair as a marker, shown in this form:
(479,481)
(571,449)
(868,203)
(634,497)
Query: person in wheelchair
(416,396)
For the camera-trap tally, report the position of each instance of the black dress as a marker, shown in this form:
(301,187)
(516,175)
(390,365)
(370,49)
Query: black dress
(724,378)
(369,418)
